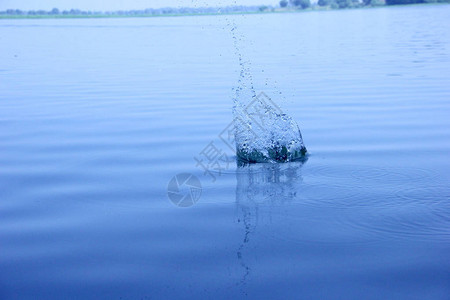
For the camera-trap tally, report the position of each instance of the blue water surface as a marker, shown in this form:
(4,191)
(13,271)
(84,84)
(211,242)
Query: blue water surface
(98,115)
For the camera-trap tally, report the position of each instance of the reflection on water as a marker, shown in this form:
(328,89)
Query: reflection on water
(267,184)
(261,185)
(96,118)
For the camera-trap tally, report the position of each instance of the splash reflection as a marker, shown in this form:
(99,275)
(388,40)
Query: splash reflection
(261,186)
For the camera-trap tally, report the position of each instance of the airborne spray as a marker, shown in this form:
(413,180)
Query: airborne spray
(263,133)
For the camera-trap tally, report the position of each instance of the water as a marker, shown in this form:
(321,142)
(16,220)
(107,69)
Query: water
(97,117)
(262,131)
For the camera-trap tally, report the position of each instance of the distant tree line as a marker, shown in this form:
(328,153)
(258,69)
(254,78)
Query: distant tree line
(343,3)
(148,11)
(395,2)
(352,3)
(296,3)
(299,4)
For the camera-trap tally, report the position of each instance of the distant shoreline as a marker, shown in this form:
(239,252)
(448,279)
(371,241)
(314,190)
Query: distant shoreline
(269,10)
(117,16)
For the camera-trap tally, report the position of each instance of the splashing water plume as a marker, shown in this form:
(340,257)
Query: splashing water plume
(263,133)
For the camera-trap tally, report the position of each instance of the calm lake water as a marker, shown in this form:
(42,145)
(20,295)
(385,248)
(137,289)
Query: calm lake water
(98,115)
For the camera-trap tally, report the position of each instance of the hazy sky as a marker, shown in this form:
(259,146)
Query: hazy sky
(122,4)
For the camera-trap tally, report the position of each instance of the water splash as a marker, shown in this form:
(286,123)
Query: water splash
(263,133)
